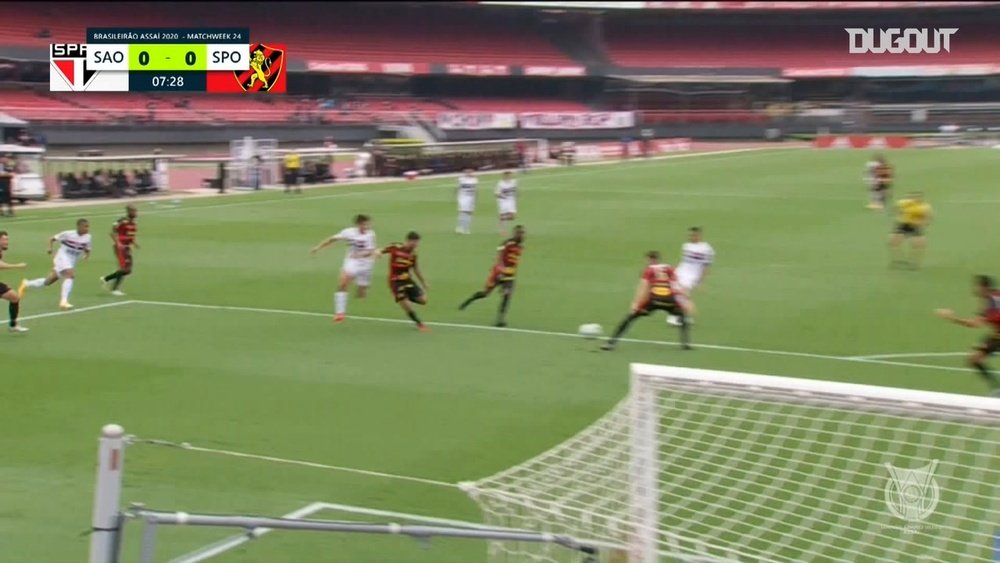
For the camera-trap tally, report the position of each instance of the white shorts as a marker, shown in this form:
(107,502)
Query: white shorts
(507,206)
(63,262)
(687,282)
(359,270)
(466,205)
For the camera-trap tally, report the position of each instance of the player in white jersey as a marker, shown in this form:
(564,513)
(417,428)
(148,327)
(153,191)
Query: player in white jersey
(358,262)
(696,259)
(467,185)
(506,193)
(871,178)
(73,245)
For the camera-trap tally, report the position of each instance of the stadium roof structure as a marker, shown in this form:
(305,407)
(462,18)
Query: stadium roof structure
(7,120)
(700,78)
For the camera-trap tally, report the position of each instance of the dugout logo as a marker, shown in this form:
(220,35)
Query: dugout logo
(266,72)
(912,494)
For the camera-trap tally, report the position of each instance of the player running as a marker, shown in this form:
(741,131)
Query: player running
(883,182)
(871,180)
(985,289)
(12,297)
(358,261)
(914,216)
(506,194)
(73,245)
(466,193)
(696,259)
(657,291)
(402,269)
(503,274)
(123,234)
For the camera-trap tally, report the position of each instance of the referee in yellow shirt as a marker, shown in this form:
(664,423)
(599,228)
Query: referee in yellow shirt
(914,214)
(293,168)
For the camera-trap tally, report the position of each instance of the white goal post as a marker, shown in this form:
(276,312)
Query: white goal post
(697,465)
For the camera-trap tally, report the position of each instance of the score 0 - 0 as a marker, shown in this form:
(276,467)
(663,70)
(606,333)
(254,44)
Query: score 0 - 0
(167,58)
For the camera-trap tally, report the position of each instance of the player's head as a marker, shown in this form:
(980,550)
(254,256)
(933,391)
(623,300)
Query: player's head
(694,234)
(412,240)
(4,240)
(879,158)
(362,222)
(984,285)
(653,256)
(518,234)
(467,171)
(82,226)
(506,175)
(131,211)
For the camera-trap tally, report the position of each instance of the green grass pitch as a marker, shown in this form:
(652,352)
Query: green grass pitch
(801,267)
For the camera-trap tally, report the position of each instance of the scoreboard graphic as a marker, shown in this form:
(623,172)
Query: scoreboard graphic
(168,60)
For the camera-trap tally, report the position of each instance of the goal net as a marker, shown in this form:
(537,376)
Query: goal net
(698,465)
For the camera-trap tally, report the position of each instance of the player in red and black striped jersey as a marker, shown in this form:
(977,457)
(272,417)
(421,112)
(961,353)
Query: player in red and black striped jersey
(989,316)
(402,269)
(123,233)
(658,291)
(503,274)
(12,297)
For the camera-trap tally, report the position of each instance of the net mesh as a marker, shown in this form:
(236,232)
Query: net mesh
(767,475)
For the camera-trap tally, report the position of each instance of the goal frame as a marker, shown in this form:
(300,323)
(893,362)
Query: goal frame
(644,486)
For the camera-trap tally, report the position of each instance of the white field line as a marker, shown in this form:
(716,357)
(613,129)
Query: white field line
(220,547)
(434,182)
(910,355)
(287,312)
(73,311)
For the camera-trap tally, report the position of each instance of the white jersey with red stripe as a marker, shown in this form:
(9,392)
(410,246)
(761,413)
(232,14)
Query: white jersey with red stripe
(72,246)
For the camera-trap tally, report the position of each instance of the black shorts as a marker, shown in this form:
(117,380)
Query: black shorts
(4,288)
(908,230)
(990,345)
(406,290)
(668,304)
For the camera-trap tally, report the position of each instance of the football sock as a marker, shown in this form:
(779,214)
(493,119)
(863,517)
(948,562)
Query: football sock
(112,276)
(13,309)
(685,330)
(987,375)
(67,287)
(340,302)
(414,317)
(475,297)
(40,282)
(118,280)
(465,221)
(624,326)
(504,305)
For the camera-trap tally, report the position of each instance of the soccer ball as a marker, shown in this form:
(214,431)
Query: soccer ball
(592,330)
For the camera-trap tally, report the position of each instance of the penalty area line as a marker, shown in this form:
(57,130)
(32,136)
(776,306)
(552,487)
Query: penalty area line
(787,353)
(74,311)
(910,355)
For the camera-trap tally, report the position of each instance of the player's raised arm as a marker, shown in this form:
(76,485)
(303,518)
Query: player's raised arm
(55,238)
(6,266)
(420,275)
(326,242)
(641,291)
(972,322)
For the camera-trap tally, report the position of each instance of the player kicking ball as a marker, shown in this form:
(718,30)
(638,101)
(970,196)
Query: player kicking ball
(6,293)
(985,289)
(402,269)
(696,259)
(358,262)
(73,245)
(503,274)
(657,291)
